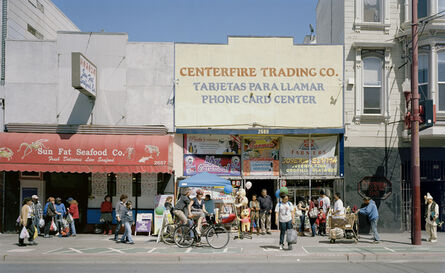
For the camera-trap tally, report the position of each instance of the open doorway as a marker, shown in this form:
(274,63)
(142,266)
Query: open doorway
(258,186)
(66,185)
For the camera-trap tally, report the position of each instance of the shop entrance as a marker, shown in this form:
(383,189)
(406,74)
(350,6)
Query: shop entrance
(258,186)
(66,185)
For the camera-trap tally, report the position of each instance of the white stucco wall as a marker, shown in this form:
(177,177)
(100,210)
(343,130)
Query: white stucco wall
(134,85)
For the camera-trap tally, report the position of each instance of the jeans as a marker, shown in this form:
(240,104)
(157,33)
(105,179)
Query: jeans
(59,224)
(116,232)
(36,223)
(127,233)
(302,219)
(265,221)
(48,222)
(374,229)
(312,221)
(73,227)
(283,227)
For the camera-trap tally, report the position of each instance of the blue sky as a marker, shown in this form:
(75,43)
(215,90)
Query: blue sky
(203,21)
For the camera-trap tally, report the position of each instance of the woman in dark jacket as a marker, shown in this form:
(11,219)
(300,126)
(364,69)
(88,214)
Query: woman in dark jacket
(48,213)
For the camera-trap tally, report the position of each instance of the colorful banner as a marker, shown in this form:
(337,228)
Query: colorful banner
(143,222)
(301,157)
(213,144)
(216,164)
(260,155)
(268,81)
(85,153)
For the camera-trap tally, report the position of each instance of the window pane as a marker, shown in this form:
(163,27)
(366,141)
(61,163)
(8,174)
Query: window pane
(423,91)
(111,184)
(422,8)
(441,62)
(441,5)
(372,68)
(423,68)
(371,100)
(441,97)
(372,10)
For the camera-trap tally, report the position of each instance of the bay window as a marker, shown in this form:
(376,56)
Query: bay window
(423,76)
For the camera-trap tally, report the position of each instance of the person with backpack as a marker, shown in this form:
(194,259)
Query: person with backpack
(120,206)
(313,214)
(61,212)
(431,215)
(49,213)
(284,217)
(106,216)
(127,221)
(26,222)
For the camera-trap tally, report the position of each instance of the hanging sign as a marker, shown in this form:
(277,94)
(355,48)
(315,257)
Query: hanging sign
(260,155)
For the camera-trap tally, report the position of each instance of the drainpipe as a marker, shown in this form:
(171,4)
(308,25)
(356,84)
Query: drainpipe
(3,45)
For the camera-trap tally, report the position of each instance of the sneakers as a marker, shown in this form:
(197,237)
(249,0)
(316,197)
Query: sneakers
(21,245)
(268,232)
(434,241)
(375,242)
(105,232)
(109,232)
(281,247)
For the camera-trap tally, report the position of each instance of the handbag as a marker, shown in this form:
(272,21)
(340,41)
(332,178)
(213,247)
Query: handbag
(298,213)
(313,213)
(41,223)
(24,233)
(291,236)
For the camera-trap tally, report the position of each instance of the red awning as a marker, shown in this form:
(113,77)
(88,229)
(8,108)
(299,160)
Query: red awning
(85,153)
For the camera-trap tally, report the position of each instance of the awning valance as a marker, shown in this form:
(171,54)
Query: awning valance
(85,153)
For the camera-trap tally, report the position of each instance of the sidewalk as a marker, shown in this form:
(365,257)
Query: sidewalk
(89,248)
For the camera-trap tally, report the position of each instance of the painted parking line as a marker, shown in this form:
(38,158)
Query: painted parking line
(21,250)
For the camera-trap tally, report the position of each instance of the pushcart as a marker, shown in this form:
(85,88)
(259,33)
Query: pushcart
(343,228)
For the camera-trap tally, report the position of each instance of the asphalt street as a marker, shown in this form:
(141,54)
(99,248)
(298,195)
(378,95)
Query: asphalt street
(323,267)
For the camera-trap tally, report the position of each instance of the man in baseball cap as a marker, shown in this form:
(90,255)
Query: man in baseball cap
(37,212)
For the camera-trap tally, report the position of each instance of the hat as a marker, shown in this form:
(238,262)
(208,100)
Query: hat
(428,196)
(69,199)
(34,197)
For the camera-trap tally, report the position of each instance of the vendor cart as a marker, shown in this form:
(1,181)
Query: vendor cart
(343,228)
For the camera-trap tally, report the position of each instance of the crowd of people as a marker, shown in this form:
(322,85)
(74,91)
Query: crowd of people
(54,216)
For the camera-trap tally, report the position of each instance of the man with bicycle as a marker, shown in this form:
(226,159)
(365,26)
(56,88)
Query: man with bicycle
(181,208)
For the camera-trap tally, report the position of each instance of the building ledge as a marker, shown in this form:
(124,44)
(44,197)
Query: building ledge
(376,44)
(86,129)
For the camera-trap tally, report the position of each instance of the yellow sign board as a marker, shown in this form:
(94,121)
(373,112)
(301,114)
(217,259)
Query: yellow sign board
(265,82)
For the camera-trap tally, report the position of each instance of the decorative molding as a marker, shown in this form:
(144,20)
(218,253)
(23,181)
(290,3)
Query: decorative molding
(124,184)
(149,184)
(99,184)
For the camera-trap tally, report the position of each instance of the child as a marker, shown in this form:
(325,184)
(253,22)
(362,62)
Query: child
(127,221)
(168,204)
(254,214)
(321,222)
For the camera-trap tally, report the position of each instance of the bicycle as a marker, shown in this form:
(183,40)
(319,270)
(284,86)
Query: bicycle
(216,235)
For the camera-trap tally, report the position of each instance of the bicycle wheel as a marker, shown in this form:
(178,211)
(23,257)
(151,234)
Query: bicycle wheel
(217,237)
(167,234)
(183,236)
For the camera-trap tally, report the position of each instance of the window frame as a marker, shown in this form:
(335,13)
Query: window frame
(441,51)
(427,83)
(373,55)
(136,185)
(384,24)
(381,11)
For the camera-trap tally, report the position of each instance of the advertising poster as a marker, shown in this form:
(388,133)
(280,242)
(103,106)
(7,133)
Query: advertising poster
(297,158)
(261,155)
(213,144)
(217,164)
(268,81)
(143,222)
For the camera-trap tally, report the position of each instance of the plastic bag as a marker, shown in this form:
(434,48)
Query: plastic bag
(291,236)
(24,233)
(35,232)
(53,226)
(69,218)
(41,223)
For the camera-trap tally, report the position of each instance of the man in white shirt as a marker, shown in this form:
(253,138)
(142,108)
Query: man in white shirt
(284,217)
(339,209)
(431,215)
(324,203)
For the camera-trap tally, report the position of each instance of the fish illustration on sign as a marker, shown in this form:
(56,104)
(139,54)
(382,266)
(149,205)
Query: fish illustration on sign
(5,152)
(152,149)
(30,147)
(145,159)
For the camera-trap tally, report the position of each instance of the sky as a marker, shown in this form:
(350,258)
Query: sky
(198,21)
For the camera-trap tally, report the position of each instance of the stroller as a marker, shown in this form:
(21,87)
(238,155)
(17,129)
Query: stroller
(344,228)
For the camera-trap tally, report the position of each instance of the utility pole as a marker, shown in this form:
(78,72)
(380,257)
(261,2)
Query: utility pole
(415,153)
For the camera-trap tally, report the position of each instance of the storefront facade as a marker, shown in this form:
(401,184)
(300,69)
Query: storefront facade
(262,110)
(86,117)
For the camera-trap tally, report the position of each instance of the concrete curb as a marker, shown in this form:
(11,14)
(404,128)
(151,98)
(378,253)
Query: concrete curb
(212,258)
